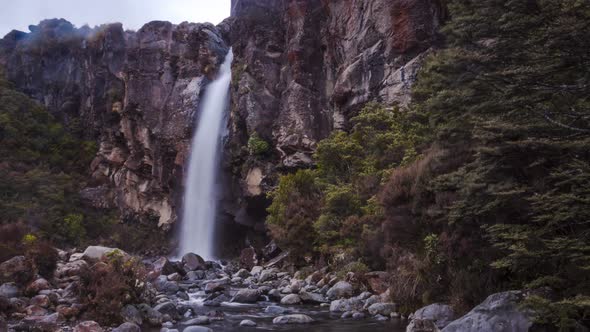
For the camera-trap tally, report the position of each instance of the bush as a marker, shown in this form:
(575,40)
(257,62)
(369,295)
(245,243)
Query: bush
(108,286)
(257,146)
(44,256)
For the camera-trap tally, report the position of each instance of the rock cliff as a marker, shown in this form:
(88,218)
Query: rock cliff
(302,68)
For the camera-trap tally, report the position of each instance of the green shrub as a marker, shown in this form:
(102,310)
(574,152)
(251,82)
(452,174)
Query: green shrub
(257,146)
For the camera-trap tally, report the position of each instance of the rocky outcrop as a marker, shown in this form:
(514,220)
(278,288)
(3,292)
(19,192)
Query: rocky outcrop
(304,68)
(135,93)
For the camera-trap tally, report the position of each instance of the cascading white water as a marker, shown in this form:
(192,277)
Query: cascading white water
(200,197)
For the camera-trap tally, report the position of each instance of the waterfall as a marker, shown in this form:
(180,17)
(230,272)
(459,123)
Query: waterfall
(201,196)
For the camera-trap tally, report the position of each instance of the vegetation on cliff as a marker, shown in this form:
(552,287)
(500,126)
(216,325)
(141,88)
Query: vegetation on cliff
(482,184)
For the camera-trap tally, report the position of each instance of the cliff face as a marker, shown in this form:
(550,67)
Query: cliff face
(136,93)
(304,67)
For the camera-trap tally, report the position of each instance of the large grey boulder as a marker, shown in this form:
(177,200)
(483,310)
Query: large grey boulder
(193,262)
(384,309)
(96,253)
(498,313)
(419,325)
(308,297)
(246,296)
(291,299)
(341,289)
(18,269)
(440,314)
(292,319)
(343,305)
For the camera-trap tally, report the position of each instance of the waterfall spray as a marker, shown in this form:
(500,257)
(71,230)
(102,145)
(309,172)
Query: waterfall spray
(201,196)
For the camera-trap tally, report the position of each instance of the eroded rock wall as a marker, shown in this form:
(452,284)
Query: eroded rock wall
(135,93)
(304,67)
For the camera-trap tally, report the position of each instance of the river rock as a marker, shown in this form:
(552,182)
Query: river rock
(440,314)
(291,299)
(343,305)
(41,300)
(341,289)
(246,296)
(242,273)
(88,326)
(127,327)
(314,278)
(256,270)
(149,315)
(309,297)
(17,269)
(384,309)
(193,262)
(358,315)
(214,286)
(247,323)
(267,275)
(200,320)
(197,329)
(292,319)
(419,325)
(275,310)
(164,285)
(70,269)
(498,313)
(47,323)
(131,314)
(167,308)
(36,286)
(9,290)
(162,266)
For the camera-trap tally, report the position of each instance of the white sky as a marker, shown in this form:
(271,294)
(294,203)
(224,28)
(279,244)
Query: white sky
(19,14)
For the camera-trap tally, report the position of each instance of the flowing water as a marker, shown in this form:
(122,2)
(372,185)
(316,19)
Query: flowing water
(201,194)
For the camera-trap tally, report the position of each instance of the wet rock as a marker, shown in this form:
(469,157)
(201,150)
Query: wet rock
(371,300)
(275,310)
(256,270)
(127,327)
(291,299)
(36,286)
(149,315)
(88,326)
(164,285)
(197,329)
(296,285)
(341,289)
(292,319)
(274,294)
(193,262)
(162,266)
(343,305)
(267,275)
(195,275)
(346,314)
(200,320)
(381,318)
(498,313)
(286,290)
(9,290)
(247,323)
(383,309)
(182,295)
(17,269)
(246,296)
(308,297)
(215,286)
(41,300)
(358,315)
(314,277)
(167,308)
(440,314)
(419,325)
(216,300)
(242,273)
(174,277)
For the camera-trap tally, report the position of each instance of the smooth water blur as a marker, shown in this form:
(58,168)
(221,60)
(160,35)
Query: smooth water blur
(201,196)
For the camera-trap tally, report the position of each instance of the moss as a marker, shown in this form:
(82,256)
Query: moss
(257,146)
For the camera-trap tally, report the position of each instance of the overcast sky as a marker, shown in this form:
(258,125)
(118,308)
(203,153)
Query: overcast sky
(19,14)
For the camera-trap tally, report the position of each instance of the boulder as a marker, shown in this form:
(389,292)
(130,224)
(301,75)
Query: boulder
(247,323)
(242,273)
(200,320)
(343,305)
(127,327)
(197,329)
(292,319)
(149,315)
(36,286)
(167,308)
(315,298)
(255,271)
(17,269)
(246,296)
(341,289)
(440,314)
(419,325)
(314,277)
(291,299)
(47,323)
(70,269)
(267,275)
(498,313)
(41,300)
(96,253)
(248,258)
(214,286)
(164,285)
(9,290)
(161,266)
(35,310)
(67,311)
(384,309)
(88,326)
(193,262)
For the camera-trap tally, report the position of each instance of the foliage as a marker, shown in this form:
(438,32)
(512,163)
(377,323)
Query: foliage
(43,256)
(257,146)
(108,286)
